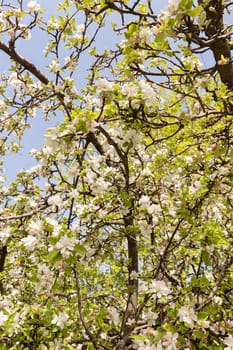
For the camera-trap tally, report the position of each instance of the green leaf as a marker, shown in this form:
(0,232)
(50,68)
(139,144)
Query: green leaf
(198,333)
(202,18)
(206,257)
(79,248)
(159,334)
(132,28)
(139,337)
(194,12)
(54,256)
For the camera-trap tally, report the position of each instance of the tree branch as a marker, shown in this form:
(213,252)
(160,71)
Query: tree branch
(220,46)
(10,51)
(3,253)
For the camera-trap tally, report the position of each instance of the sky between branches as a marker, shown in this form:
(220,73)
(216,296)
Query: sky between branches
(33,50)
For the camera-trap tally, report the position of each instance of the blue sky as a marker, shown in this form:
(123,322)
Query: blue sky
(33,51)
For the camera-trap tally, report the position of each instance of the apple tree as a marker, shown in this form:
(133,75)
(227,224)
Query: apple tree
(120,236)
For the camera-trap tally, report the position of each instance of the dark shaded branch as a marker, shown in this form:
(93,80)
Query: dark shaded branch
(222,55)
(222,274)
(131,308)
(80,309)
(3,253)
(10,51)
(90,137)
(220,46)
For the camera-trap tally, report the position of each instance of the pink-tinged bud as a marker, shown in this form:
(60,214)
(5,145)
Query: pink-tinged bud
(217,326)
(156,28)
(229,324)
(150,332)
(214,147)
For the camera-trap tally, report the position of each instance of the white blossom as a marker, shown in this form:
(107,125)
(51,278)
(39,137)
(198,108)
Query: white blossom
(209,275)
(144,201)
(47,151)
(114,316)
(217,300)
(55,200)
(57,345)
(103,85)
(135,103)
(148,93)
(145,228)
(130,90)
(187,315)
(188,159)
(3,318)
(3,106)
(55,225)
(60,320)
(25,32)
(35,227)
(5,234)
(191,63)
(14,81)
(160,288)
(2,20)
(169,341)
(229,342)
(203,323)
(65,245)
(29,242)
(54,66)
(36,169)
(146,35)
(54,24)
(133,275)
(45,276)
(161,152)
(97,184)
(154,209)
(91,124)
(70,64)
(132,135)
(145,345)
(80,28)
(43,270)
(171,9)
(151,318)
(33,6)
